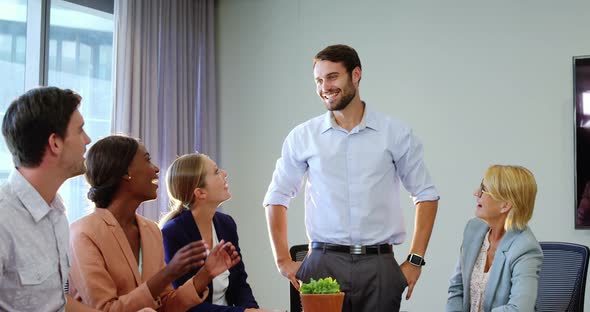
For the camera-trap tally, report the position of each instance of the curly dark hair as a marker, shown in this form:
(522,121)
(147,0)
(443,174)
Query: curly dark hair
(107,162)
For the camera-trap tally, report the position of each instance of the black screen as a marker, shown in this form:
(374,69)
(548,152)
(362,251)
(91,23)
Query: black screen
(582,140)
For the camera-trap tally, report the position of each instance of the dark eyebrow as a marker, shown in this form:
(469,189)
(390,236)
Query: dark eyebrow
(328,75)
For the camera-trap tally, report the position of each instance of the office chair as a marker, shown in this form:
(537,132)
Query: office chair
(298,252)
(562,282)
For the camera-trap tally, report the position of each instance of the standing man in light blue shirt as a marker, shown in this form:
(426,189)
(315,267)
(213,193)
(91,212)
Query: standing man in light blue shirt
(44,132)
(354,160)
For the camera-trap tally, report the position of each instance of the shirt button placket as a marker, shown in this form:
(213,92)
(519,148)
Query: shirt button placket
(352,202)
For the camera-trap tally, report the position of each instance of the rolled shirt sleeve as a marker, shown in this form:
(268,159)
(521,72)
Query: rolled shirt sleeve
(288,174)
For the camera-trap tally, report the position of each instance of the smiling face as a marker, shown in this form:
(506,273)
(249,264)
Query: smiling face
(142,176)
(334,85)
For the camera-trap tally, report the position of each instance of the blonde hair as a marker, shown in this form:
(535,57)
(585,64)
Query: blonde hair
(515,185)
(184,175)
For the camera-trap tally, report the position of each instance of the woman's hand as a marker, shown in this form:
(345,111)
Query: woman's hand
(221,258)
(187,258)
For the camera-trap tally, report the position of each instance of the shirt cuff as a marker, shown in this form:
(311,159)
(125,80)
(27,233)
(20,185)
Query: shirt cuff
(189,294)
(425,198)
(276,200)
(149,300)
(429,194)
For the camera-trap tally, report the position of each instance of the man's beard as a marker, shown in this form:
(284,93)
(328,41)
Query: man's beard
(346,98)
(77,169)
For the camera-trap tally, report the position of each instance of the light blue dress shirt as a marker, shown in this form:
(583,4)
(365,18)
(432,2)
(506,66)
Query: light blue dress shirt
(34,242)
(352,190)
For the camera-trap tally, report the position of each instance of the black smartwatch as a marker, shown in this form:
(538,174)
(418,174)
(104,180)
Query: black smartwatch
(416,260)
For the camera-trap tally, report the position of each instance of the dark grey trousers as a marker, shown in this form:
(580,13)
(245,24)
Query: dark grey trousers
(371,282)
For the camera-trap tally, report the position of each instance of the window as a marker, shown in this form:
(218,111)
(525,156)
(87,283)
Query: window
(13,31)
(78,57)
(80,48)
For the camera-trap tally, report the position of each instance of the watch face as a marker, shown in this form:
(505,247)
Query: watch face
(416,260)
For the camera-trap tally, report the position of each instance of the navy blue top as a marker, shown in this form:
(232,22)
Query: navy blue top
(183,230)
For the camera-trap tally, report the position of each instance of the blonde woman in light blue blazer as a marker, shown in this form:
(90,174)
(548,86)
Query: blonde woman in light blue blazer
(500,260)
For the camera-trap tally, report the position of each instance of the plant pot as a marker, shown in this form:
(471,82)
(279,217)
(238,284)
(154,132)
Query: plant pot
(322,302)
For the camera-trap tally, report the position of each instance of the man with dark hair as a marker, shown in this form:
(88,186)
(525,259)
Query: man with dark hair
(355,161)
(44,132)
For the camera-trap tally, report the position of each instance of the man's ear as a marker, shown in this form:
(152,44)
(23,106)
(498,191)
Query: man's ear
(356,75)
(55,144)
(200,194)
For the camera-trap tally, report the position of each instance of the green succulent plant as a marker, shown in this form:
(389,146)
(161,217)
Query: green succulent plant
(326,285)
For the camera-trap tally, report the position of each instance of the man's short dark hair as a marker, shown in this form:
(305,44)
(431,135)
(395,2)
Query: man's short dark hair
(32,118)
(339,53)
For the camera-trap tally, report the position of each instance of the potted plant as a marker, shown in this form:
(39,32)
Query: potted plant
(323,295)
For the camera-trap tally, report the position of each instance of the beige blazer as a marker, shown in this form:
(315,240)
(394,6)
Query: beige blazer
(104,272)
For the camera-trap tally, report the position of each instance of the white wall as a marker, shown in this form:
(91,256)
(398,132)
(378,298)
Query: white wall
(480,82)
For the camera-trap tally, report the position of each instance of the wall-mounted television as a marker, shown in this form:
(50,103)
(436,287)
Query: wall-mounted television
(582,140)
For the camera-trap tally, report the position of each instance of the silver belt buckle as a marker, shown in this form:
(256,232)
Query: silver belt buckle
(358,250)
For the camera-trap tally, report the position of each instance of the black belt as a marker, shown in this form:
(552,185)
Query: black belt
(354,249)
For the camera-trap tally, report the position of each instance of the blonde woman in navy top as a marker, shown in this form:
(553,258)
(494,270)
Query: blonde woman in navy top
(197,187)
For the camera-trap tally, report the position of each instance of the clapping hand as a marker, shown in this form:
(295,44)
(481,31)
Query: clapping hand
(221,258)
(187,258)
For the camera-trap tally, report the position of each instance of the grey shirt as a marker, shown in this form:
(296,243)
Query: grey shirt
(34,240)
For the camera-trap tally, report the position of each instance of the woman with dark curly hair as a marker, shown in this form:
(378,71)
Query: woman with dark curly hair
(117,256)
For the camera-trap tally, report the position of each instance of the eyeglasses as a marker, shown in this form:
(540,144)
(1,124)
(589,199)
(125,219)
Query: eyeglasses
(481,190)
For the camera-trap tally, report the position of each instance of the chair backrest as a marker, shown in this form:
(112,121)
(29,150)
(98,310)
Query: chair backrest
(562,282)
(298,252)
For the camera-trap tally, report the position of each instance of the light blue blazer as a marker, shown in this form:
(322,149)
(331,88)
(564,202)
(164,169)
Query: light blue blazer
(513,277)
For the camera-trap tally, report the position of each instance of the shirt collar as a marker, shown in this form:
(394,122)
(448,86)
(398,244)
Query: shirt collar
(30,197)
(327,124)
(110,219)
(368,121)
